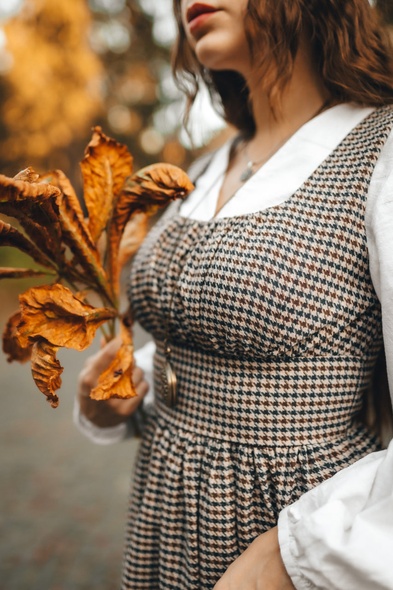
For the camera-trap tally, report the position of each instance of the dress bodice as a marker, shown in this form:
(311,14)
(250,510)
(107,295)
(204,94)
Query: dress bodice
(274,327)
(287,281)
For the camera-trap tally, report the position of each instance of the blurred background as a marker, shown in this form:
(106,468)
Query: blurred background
(66,66)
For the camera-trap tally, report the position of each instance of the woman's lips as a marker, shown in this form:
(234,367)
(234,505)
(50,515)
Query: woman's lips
(197,14)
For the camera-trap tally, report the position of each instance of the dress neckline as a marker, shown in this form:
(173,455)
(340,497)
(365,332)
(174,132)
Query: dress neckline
(260,191)
(311,179)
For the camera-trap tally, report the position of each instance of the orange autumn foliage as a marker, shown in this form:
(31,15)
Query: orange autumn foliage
(52,230)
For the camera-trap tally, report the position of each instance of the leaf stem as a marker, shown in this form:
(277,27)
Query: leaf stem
(112,328)
(107,336)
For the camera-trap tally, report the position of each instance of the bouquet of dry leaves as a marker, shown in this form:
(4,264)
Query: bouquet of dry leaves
(80,255)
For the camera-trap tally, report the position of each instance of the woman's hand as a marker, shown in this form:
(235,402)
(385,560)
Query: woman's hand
(260,567)
(113,411)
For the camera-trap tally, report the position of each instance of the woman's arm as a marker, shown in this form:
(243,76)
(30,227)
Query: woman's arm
(339,536)
(260,567)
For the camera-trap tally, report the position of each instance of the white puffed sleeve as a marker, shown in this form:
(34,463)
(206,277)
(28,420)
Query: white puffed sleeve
(134,425)
(339,536)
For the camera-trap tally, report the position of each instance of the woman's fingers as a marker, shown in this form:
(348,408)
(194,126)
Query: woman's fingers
(138,379)
(124,407)
(114,410)
(96,364)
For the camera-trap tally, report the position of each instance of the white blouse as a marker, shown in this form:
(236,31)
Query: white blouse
(340,534)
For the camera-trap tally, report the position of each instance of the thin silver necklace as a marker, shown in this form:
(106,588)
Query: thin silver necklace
(253,165)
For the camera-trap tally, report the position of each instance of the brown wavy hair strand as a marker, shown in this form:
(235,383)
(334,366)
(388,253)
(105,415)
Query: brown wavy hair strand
(352,51)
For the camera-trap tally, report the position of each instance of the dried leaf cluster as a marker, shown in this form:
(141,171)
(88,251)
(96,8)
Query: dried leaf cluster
(80,255)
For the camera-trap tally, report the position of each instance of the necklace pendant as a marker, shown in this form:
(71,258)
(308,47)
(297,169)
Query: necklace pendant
(168,381)
(247,172)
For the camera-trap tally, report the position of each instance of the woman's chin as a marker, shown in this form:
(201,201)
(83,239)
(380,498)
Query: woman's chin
(210,59)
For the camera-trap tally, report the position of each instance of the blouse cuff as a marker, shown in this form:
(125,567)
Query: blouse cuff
(288,550)
(110,434)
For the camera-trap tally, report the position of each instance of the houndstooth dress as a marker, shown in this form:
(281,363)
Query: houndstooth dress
(275,327)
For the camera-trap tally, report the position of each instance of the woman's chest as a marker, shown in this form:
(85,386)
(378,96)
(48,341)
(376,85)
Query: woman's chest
(259,285)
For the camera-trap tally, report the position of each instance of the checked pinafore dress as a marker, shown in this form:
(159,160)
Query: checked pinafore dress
(275,327)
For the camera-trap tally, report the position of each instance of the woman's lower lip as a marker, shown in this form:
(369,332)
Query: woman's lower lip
(199,21)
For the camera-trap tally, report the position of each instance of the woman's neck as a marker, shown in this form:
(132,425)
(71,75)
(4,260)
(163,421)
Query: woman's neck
(302,99)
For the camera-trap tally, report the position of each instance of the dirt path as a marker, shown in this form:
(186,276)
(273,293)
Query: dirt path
(63,499)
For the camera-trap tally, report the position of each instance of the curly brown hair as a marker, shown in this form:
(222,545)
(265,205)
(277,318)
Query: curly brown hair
(352,51)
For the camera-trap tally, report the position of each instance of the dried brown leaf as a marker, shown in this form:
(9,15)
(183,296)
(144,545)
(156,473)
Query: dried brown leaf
(116,380)
(41,225)
(15,191)
(58,179)
(146,191)
(105,167)
(10,341)
(133,235)
(75,232)
(46,370)
(31,203)
(28,174)
(9,236)
(46,216)
(54,313)
(152,187)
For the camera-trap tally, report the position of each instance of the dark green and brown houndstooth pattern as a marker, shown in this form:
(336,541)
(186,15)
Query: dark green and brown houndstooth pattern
(275,326)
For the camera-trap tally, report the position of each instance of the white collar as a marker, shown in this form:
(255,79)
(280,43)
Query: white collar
(283,174)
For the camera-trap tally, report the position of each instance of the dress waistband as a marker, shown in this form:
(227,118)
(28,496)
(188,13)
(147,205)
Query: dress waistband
(276,402)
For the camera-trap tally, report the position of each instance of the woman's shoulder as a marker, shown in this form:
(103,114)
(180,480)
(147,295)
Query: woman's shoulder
(384,169)
(380,196)
(200,165)
(212,156)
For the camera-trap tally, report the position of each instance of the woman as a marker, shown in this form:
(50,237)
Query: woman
(260,292)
